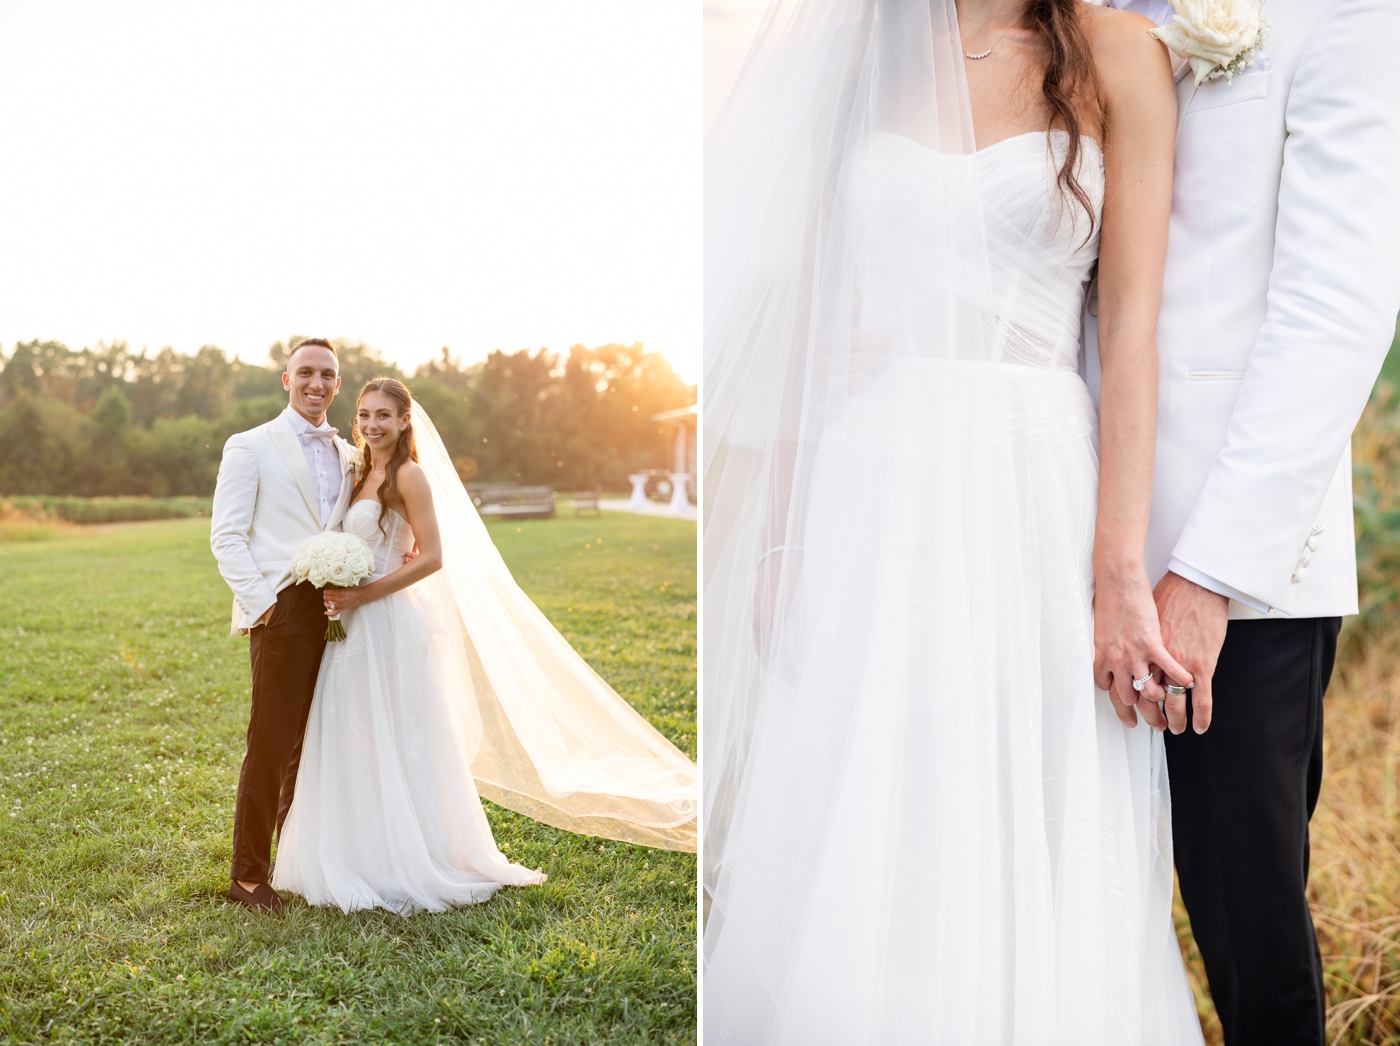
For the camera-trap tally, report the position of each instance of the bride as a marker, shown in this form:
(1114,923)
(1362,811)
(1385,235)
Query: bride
(451,681)
(926,615)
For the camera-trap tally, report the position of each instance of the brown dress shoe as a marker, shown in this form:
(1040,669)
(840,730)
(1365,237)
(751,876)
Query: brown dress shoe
(262,897)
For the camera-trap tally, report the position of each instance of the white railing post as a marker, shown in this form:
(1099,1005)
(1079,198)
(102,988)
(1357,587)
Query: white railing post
(680,502)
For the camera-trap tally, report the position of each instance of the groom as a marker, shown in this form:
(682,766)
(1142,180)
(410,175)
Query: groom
(278,485)
(1281,291)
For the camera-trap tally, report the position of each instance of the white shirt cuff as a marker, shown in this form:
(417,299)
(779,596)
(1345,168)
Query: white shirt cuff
(1191,574)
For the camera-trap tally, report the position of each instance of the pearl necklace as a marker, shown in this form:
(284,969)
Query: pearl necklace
(978,57)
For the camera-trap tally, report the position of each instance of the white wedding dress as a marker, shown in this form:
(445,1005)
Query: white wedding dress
(943,833)
(386,813)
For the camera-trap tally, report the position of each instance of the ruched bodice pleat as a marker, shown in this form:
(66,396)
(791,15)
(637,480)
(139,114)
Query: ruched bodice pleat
(388,543)
(1036,257)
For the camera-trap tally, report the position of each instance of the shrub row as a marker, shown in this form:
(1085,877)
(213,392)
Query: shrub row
(106,510)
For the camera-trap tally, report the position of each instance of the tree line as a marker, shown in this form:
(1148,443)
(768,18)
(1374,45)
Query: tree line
(109,421)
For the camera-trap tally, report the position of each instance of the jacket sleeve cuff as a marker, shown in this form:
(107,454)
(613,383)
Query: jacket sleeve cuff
(261,605)
(1193,575)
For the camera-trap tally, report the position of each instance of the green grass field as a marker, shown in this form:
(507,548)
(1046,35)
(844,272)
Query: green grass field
(123,703)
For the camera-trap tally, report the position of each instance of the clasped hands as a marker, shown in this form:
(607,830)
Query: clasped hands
(1174,634)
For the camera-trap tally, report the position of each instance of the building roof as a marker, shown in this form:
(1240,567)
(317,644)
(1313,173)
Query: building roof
(679,414)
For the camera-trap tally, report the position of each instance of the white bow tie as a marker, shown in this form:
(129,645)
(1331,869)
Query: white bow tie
(328,434)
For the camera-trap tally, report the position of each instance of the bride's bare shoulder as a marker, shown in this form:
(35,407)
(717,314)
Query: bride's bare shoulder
(1134,68)
(1106,25)
(412,480)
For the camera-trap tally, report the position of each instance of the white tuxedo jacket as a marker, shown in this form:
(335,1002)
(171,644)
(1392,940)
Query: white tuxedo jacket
(1280,299)
(264,508)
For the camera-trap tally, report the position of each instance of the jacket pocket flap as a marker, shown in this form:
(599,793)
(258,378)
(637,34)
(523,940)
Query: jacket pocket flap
(1247,87)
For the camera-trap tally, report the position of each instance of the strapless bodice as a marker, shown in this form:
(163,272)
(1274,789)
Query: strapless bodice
(992,225)
(388,546)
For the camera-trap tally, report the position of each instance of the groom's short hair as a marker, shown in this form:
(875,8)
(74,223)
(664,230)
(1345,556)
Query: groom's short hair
(319,342)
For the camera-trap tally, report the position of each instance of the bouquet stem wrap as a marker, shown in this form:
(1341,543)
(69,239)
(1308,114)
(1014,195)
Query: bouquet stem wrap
(333,560)
(335,631)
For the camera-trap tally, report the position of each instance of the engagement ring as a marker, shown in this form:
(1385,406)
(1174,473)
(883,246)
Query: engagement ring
(1138,684)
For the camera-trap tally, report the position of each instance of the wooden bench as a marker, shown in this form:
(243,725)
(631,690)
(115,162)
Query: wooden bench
(511,501)
(587,501)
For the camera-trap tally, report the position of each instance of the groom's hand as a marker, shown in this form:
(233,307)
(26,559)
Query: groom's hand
(268,616)
(1193,621)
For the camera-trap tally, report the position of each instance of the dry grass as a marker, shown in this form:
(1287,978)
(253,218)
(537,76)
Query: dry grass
(1354,888)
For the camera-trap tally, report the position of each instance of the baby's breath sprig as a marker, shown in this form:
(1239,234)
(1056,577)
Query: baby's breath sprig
(1244,59)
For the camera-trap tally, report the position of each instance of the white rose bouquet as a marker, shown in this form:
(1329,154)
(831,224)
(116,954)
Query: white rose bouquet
(1218,37)
(333,560)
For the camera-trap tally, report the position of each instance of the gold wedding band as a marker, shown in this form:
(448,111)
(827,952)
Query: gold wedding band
(1174,690)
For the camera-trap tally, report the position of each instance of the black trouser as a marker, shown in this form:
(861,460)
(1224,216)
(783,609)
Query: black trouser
(1242,794)
(286,655)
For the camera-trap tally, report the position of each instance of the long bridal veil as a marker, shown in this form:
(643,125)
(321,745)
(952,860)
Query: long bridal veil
(792,278)
(550,738)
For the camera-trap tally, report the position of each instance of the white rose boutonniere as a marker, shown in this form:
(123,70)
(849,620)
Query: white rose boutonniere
(1218,37)
(356,457)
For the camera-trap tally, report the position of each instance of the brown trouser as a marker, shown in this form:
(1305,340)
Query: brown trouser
(286,655)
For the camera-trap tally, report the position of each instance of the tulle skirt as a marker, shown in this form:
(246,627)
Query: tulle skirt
(386,814)
(943,834)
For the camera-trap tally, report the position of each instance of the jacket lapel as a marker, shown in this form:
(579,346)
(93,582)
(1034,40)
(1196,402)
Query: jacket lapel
(284,438)
(348,455)
(1185,93)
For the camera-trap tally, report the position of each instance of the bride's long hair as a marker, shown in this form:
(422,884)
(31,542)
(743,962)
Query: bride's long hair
(1070,83)
(405,450)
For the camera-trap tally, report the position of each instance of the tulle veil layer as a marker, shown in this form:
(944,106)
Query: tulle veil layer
(555,742)
(785,349)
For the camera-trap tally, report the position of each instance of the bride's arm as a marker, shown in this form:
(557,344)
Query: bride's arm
(418,510)
(1140,121)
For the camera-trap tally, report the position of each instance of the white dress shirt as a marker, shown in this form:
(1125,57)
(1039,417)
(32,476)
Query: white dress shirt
(322,458)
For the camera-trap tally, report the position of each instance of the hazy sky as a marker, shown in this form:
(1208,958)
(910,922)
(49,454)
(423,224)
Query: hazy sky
(468,173)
